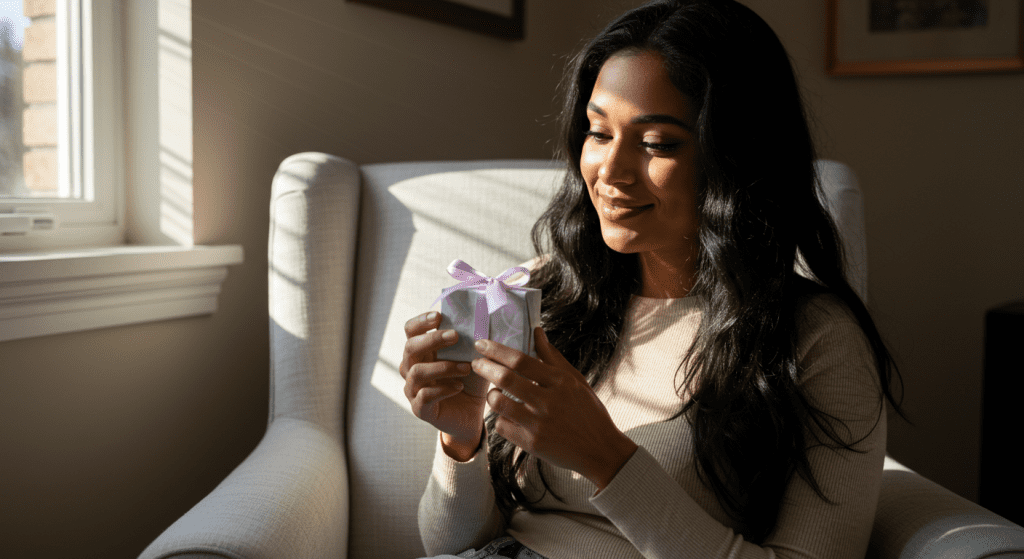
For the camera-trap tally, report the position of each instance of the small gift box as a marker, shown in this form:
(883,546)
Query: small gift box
(483,307)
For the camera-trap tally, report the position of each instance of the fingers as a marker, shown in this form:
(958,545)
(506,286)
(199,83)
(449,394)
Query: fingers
(425,375)
(550,355)
(425,404)
(505,404)
(527,367)
(506,423)
(431,341)
(509,381)
(424,346)
(429,383)
(423,323)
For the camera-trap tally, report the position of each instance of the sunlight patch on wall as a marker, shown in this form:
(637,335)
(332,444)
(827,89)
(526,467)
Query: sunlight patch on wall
(175,105)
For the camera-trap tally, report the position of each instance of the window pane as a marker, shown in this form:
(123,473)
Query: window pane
(29,124)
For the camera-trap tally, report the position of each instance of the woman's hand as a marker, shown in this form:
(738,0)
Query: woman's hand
(445,394)
(560,420)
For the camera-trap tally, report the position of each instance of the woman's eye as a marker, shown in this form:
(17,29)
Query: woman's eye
(658,147)
(662,147)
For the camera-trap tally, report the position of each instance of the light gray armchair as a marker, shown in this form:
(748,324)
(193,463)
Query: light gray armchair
(353,253)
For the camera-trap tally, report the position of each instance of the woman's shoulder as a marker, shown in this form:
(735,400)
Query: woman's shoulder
(825,323)
(823,308)
(836,360)
(815,304)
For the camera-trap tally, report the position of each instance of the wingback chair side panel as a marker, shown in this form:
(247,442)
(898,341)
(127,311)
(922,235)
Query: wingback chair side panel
(289,497)
(311,251)
(415,219)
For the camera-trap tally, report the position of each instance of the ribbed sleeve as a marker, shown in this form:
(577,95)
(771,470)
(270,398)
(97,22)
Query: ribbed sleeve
(457,510)
(657,516)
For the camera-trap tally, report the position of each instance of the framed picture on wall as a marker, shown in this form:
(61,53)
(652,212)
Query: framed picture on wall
(885,37)
(501,18)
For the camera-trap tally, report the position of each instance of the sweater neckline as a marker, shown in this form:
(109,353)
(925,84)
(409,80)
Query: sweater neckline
(685,305)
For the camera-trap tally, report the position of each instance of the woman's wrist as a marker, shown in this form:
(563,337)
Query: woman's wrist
(616,457)
(461,450)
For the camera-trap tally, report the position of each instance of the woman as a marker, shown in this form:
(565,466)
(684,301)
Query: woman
(692,396)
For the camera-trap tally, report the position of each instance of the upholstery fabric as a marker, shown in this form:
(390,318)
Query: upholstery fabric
(285,500)
(924,519)
(845,202)
(416,219)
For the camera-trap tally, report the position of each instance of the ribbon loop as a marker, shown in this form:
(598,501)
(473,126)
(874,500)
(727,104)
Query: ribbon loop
(495,291)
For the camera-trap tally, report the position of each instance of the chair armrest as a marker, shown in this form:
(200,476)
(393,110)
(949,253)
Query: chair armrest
(918,518)
(287,499)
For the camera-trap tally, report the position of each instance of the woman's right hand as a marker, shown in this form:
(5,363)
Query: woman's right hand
(445,394)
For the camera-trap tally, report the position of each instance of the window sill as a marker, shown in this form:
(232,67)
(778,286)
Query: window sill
(83,289)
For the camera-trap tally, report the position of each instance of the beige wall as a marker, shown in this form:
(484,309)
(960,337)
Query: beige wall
(110,435)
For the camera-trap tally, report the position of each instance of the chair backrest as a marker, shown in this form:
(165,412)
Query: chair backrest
(845,202)
(415,218)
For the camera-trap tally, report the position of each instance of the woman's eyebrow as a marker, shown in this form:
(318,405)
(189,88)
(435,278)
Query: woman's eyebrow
(646,119)
(661,119)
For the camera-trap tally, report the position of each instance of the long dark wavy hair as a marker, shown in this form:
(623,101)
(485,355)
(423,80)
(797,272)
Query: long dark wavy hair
(758,204)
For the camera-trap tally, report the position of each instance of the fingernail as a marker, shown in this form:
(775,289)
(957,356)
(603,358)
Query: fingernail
(449,336)
(464,367)
(481,345)
(431,316)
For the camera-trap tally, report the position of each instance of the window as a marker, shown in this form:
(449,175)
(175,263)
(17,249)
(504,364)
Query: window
(116,174)
(64,184)
(12,24)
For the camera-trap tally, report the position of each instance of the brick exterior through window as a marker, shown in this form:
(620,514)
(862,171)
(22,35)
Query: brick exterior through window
(39,83)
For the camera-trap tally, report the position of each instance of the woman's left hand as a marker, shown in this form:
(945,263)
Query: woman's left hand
(560,420)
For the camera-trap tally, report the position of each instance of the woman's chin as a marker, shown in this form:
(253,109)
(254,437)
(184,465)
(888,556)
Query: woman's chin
(622,246)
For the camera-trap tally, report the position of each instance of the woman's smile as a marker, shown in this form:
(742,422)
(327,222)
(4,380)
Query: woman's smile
(621,213)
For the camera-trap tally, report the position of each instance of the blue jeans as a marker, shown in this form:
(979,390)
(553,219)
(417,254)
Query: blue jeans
(501,548)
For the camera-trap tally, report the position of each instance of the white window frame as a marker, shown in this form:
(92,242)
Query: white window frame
(128,255)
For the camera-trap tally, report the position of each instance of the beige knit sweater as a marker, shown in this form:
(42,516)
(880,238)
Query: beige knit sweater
(656,507)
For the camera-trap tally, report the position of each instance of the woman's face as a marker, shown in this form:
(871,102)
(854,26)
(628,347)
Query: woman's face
(638,158)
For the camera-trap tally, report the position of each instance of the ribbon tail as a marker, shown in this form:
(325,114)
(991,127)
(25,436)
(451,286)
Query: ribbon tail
(497,288)
(481,318)
(497,296)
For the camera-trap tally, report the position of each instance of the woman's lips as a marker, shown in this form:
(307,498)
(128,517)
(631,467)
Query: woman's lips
(615,213)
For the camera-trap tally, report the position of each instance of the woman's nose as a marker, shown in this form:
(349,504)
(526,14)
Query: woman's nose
(618,166)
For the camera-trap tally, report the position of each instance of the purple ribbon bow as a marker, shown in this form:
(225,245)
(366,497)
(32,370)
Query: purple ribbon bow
(494,290)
